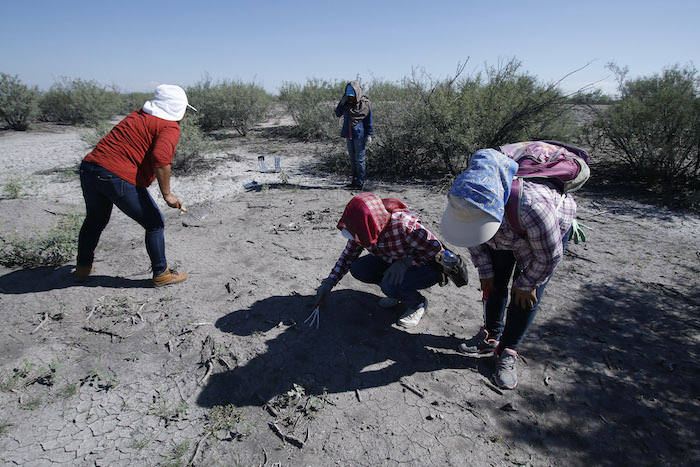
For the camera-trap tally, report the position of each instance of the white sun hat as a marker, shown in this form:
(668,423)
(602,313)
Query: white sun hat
(465,225)
(169,103)
(477,199)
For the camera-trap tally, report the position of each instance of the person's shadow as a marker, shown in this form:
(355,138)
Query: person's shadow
(355,347)
(34,280)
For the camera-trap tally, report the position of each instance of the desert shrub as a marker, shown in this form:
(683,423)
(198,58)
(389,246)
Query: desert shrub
(654,127)
(17,186)
(19,104)
(57,246)
(229,104)
(434,125)
(13,188)
(76,101)
(192,146)
(312,107)
(130,101)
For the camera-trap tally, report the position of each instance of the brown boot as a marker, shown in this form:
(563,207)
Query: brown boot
(169,276)
(82,272)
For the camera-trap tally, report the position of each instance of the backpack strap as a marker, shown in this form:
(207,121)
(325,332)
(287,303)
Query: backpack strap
(512,208)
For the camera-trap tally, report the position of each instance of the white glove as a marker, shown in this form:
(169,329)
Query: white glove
(577,231)
(368,140)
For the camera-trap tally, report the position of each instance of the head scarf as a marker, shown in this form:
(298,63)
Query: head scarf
(366,216)
(168,103)
(360,110)
(477,199)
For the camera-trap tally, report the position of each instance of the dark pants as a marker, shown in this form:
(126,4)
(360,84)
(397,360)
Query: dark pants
(370,269)
(356,151)
(102,190)
(518,319)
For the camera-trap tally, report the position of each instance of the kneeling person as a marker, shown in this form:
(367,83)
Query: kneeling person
(401,253)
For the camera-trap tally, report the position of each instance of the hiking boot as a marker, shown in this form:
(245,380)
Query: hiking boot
(479,346)
(388,302)
(413,316)
(82,272)
(505,376)
(169,276)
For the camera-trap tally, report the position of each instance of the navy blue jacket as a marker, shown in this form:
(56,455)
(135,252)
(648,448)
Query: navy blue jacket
(362,129)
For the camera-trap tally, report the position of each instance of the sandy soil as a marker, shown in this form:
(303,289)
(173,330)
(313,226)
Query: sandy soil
(221,370)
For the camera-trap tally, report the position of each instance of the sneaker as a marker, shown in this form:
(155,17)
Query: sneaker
(479,346)
(169,276)
(388,302)
(82,272)
(413,316)
(505,376)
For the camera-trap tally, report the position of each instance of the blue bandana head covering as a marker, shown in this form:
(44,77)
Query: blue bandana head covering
(350,91)
(486,182)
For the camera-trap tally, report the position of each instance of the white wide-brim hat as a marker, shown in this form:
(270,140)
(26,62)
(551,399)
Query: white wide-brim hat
(463,224)
(169,103)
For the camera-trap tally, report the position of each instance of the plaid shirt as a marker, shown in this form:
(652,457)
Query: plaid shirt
(547,216)
(403,237)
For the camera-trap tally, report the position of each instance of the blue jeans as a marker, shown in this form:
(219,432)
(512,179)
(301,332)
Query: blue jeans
(518,319)
(102,190)
(356,150)
(370,269)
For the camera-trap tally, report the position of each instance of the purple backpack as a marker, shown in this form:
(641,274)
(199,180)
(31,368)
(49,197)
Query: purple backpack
(562,165)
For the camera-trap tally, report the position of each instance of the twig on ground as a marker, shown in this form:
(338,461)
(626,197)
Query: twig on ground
(103,331)
(412,389)
(43,321)
(492,387)
(19,394)
(357,394)
(267,406)
(169,345)
(288,438)
(94,308)
(210,367)
(196,450)
(264,455)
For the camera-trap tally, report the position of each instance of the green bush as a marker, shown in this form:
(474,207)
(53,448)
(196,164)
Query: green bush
(193,145)
(654,127)
(435,125)
(19,104)
(57,246)
(76,101)
(131,101)
(229,104)
(312,107)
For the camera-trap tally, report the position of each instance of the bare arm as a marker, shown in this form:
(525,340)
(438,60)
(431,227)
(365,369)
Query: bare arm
(163,176)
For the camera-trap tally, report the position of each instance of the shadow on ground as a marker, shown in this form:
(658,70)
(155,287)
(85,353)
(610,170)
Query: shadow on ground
(631,352)
(355,347)
(35,280)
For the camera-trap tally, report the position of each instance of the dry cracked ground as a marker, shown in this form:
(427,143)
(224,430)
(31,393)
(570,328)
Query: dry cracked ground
(222,370)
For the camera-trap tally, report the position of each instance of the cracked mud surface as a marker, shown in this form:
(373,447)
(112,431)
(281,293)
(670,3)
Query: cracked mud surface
(221,370)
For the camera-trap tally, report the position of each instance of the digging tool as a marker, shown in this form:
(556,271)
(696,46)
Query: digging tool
(314,317)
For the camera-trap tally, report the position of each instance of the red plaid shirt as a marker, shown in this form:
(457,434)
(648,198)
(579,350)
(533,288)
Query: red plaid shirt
(403,237)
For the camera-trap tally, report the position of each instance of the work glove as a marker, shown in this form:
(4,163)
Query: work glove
(368,140)
(323,289)
(577,232)
(397,271)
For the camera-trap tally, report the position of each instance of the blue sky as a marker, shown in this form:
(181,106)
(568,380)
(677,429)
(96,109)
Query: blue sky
(138,45)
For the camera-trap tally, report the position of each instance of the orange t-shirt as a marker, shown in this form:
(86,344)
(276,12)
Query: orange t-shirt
(136,146)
